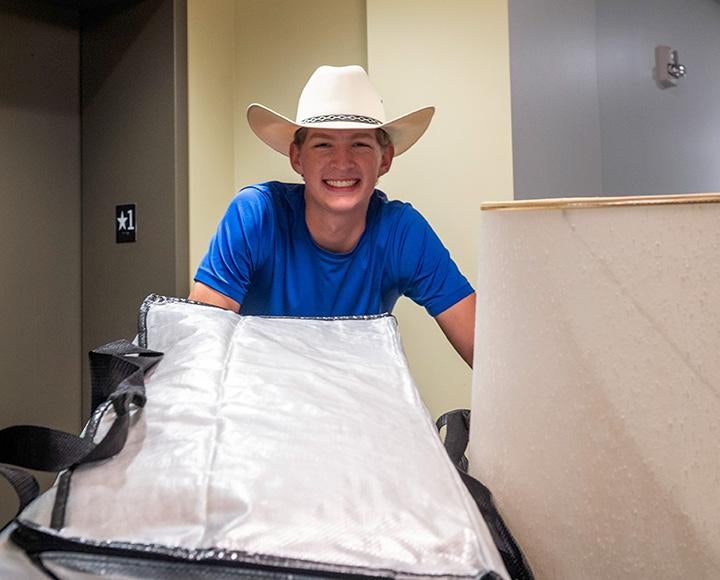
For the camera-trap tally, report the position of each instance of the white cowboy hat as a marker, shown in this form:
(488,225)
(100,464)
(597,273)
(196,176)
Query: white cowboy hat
(338,98)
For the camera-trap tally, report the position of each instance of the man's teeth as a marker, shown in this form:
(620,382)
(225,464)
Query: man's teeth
(341,182)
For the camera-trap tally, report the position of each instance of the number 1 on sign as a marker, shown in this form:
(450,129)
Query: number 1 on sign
(125,226)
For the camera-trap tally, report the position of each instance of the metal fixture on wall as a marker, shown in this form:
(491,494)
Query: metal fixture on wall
(668,69)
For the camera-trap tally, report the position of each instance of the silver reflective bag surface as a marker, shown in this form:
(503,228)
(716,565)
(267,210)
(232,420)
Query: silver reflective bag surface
(268,447)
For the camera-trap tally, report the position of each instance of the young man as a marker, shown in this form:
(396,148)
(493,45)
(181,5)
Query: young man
(335,246)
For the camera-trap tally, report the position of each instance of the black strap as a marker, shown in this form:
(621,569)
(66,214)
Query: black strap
(25,485)
(456,436)
(117,374)
(512,556)
(456,439)
(117,371)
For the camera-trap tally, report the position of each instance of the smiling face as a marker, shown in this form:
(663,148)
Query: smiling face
(340,168)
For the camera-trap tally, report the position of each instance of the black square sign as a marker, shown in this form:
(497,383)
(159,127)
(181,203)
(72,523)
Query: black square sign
(125,223)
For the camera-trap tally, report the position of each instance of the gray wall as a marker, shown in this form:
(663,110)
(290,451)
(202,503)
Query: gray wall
(659,141)
(134,140)
(40,357)
(555,108)
(628,137)
(72,146)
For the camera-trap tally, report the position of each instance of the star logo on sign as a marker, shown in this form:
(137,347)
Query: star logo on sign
(125,224)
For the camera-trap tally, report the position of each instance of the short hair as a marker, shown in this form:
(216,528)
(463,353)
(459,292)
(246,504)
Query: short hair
(381,135)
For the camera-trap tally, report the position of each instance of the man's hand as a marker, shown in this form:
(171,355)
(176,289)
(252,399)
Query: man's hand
(202,293)
(458,324)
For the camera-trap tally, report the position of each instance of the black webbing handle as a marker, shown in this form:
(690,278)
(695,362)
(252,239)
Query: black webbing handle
(118,374)
(457,436)
(25,485)
(117,371)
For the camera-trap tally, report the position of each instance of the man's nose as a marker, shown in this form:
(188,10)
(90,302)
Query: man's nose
(343,157)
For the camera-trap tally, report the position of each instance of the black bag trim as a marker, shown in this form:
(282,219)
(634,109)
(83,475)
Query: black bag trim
(36,541)
(457,436)
(57,520)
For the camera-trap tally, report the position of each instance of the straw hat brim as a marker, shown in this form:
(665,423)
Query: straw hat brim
(278,131)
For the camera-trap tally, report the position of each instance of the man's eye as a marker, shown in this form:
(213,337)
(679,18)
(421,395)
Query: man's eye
(362,144)
(321,145)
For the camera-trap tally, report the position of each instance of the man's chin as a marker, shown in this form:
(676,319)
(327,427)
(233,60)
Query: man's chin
(347,206)
(339,202)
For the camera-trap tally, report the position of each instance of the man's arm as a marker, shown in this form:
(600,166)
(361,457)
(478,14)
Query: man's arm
(202,293)
(458,324)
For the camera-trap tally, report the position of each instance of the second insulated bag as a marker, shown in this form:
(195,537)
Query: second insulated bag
(266,448)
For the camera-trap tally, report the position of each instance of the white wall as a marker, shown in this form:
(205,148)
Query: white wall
(462,67)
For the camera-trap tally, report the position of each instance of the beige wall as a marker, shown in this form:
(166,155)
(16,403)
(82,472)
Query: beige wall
(239,52)
(276,56)
(452,54)
(211,118)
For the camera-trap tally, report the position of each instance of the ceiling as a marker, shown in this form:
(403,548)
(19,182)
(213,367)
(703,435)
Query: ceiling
(90,5)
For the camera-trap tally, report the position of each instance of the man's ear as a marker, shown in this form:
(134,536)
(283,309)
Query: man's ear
(386,160)
(294,155)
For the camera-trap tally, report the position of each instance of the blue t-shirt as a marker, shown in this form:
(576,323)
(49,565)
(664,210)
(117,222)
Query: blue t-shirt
(263,257)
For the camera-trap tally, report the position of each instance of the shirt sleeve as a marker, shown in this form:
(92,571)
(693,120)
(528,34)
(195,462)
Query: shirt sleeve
(428,274)
(235,250)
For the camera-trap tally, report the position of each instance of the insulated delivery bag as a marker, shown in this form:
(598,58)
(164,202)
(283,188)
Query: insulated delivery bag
(257,447)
